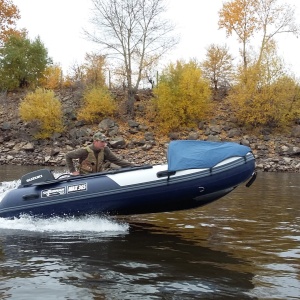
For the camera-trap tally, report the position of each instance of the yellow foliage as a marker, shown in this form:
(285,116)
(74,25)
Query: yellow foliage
(98,104)
(182,96)
(239,16)
(52,77)
(260,100)
(44,108)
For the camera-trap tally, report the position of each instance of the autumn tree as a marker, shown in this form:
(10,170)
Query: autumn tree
(52,77)
(9,14)
(150,74)
(268,97)
(182,96)
(76,73)
(218,67)
(22,62)
(94,69)
(274,19)
(256,22)
(133,32)
(239,17)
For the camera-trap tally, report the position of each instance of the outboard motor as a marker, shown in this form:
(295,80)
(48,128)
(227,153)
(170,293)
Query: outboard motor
(36,177)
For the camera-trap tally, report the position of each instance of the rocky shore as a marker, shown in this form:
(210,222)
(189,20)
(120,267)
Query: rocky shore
(135,140)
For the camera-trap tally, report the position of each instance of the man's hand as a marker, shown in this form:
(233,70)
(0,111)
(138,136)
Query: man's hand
(75,173)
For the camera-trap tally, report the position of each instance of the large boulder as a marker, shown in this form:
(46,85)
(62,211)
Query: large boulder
(118,142)
(107,124)
(296,131)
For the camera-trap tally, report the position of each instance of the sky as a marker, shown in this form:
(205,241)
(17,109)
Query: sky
(60,24)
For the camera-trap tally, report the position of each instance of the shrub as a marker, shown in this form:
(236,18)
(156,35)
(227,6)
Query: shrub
(43,108)
(183,97)
(97,104)
(258,101)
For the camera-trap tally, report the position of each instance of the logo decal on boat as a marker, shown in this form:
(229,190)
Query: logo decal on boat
(77,188)
(34,178)
(53,192)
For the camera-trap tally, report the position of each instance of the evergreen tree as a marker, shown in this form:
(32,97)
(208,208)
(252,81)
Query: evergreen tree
(22,62)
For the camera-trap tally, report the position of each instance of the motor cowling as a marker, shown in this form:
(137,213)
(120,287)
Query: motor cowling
(36,177)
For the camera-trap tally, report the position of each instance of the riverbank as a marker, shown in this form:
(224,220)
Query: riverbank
(136,140)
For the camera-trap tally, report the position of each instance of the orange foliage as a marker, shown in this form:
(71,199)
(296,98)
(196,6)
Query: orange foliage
(94,69)
(52,77)
(9,14)
(239,16)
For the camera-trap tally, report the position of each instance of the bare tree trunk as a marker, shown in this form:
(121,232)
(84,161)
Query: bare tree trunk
(130,102)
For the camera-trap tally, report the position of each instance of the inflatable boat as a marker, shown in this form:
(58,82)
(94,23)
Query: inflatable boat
(196,173)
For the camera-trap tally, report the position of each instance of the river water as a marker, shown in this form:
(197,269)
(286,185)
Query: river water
(244,246)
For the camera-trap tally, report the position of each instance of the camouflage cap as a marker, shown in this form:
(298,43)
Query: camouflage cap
(99,136)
